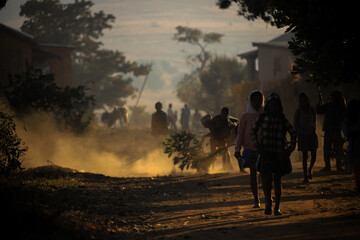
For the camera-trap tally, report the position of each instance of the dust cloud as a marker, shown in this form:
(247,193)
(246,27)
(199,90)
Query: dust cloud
(112,152)
(120,153)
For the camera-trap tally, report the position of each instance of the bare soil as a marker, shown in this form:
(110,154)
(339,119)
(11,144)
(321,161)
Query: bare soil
(52,202)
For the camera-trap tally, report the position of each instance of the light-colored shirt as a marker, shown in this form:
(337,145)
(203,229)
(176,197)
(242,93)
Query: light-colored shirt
(243,138)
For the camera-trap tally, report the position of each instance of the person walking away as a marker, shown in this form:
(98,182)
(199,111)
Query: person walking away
(171,117)
(305,127)
(195,123)
(182,118)
(186,117)
(220,131)
(243,139)
(175,119)
(271,143)
(351,129)
(334,115)
(159,123)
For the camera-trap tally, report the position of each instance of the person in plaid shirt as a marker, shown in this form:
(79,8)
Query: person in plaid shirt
(269,136)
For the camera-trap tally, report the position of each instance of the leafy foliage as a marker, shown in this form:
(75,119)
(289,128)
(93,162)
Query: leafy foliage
(325,43)
(34,91)
(189,89)
(217,80)
(195,36)
(187,151)
(105,72)
(210,89)
(109,75)
(49,21)
(11,149)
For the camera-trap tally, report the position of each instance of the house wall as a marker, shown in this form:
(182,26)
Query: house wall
(16,50)
(60,66)
(14,53)
(274,65)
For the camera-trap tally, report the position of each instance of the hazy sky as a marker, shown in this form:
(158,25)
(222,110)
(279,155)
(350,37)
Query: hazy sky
(143,30)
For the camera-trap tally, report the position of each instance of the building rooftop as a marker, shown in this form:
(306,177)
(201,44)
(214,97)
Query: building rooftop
(22,35)
(28,37)
(278,42)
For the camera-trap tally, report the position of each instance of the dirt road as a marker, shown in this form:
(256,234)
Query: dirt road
(57,203)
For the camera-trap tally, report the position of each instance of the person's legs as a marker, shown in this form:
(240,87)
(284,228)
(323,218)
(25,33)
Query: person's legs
(312,163)
(254,186)
(242,169)
(338,149)
(266,179)
(327,148)
(277,184)
(305,157)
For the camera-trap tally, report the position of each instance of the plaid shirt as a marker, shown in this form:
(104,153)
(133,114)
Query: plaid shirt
(272,137)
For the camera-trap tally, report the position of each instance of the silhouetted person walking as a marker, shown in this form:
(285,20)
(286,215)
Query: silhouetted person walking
(195,123)
(220,131)
(351,129)
(334,115)
(171,117)
(159,121)
(305,126)
(271,143)
(243,139)
(185,117)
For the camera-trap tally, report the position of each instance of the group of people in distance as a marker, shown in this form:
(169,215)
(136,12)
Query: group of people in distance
(172,118)
(262,146)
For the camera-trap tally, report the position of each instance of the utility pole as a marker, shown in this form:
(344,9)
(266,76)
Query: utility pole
(143,86)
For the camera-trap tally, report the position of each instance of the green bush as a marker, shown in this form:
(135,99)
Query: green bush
(187,151)
(11,148)
(35,91)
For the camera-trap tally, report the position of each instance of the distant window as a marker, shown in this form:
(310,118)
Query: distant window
(277,65)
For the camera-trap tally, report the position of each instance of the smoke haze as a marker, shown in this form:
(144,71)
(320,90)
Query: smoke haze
(112,152)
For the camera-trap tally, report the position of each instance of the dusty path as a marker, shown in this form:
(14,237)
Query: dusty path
(87,206)
(220,207)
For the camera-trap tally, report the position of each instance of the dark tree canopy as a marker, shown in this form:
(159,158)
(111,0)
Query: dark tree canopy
(2,4)
(195,36)
(12,149)
(327,40)
(51,21)
(34,91)
(208,87)
(217,80)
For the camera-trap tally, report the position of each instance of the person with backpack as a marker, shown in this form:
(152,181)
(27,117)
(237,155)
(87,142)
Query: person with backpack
(305,126)
(243,140)
(269,138)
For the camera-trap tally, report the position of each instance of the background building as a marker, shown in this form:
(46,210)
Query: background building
(271,62)
(17,49)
